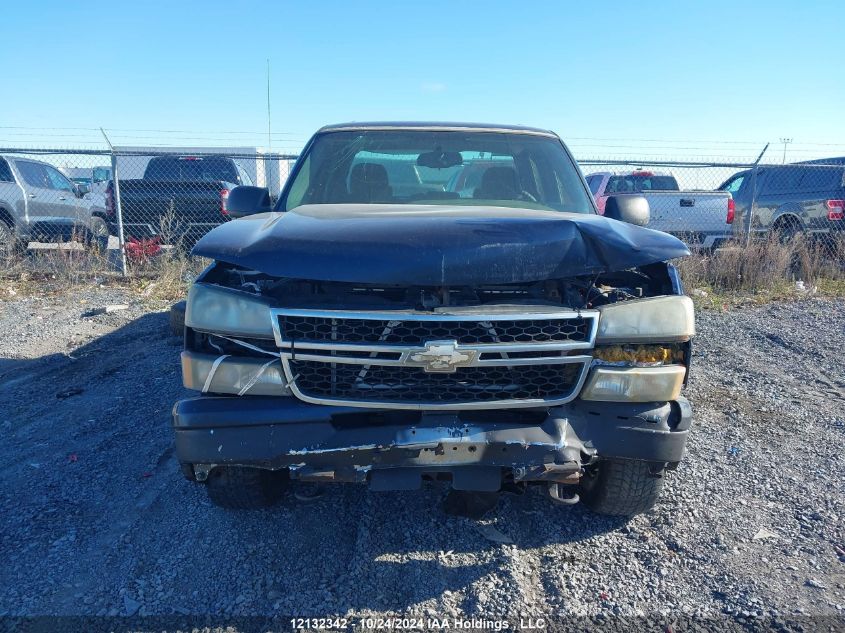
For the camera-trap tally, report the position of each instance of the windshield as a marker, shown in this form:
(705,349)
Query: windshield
(438,167)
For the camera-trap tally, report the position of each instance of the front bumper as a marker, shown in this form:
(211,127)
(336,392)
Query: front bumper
(392,451)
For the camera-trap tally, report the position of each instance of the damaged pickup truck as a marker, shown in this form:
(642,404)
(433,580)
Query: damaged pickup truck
(375,327)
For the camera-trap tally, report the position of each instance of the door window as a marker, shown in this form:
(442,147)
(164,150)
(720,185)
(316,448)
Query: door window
(34,174)
(58,180)
(734,185)
(594,182)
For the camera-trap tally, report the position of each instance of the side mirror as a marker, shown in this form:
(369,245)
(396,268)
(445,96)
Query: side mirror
(82,189)
(630,208)
(247,200)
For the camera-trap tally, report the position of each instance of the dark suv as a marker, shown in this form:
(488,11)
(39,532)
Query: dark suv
(790,199)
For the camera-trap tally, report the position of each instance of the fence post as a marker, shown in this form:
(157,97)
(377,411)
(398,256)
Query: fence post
(750,214)
(121,244)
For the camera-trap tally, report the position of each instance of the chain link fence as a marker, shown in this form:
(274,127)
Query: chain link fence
(709,204)
(126,205)
(132,203)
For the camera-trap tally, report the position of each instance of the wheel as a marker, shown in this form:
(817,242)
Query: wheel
(786,229)
(244,488)
(97,238)
(621,487)
(177,318)
(9,243)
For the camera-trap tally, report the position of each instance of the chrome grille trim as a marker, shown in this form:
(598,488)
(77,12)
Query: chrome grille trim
(365,354)
(402,362)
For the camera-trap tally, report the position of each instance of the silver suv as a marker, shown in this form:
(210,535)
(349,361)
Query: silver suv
(38,203)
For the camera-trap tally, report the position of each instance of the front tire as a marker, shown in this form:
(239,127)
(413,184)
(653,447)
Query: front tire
(621,487)
(10,245)
(786,228)
(243,488)
(177,318)
(98,236)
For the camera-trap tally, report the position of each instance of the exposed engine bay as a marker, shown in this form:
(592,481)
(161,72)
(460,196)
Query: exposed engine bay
(576,292)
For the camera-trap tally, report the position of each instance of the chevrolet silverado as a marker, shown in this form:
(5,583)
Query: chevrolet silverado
(361,332)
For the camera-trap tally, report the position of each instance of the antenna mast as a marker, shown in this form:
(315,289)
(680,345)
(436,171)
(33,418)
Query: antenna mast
(269,137)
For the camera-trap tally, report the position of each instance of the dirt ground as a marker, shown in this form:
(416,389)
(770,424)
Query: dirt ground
(95,518)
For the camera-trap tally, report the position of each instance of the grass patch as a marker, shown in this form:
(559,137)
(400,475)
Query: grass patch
(51,270)
(157,274)
(164,278)
(765,271)
(167,277)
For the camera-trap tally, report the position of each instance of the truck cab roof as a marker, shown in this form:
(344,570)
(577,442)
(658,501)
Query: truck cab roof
(438,126)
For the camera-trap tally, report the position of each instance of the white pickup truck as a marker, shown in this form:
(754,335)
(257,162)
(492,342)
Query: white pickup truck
(701,218)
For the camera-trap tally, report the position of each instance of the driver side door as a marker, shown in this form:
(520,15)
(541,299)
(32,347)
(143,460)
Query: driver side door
(38,191)
(68,207)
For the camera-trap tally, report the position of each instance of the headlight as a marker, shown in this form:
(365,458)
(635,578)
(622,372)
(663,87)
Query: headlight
(634,384)
(638,355)
(253,376)
(657,319)
(215,309)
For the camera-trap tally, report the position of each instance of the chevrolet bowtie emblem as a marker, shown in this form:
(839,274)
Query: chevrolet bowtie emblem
(441,356)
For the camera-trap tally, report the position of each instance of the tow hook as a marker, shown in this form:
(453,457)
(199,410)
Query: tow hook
(201,471)
(562,494)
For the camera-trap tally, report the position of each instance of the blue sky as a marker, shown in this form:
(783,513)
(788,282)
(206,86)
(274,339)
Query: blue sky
(668,79)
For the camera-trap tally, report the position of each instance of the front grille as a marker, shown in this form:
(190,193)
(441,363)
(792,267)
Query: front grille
(505,358)
(403,332)
(393,384)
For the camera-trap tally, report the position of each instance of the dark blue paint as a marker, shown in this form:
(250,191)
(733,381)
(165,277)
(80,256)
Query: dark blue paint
(434,245)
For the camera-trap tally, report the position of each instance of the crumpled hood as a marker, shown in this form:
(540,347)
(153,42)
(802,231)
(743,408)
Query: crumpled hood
(434,244)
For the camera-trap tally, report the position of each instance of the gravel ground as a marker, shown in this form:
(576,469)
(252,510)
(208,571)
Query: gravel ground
(95,518)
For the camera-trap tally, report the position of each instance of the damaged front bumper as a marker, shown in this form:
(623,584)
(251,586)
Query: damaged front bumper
(475,450)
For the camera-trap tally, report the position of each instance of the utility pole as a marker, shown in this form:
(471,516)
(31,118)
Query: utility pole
(785,141)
